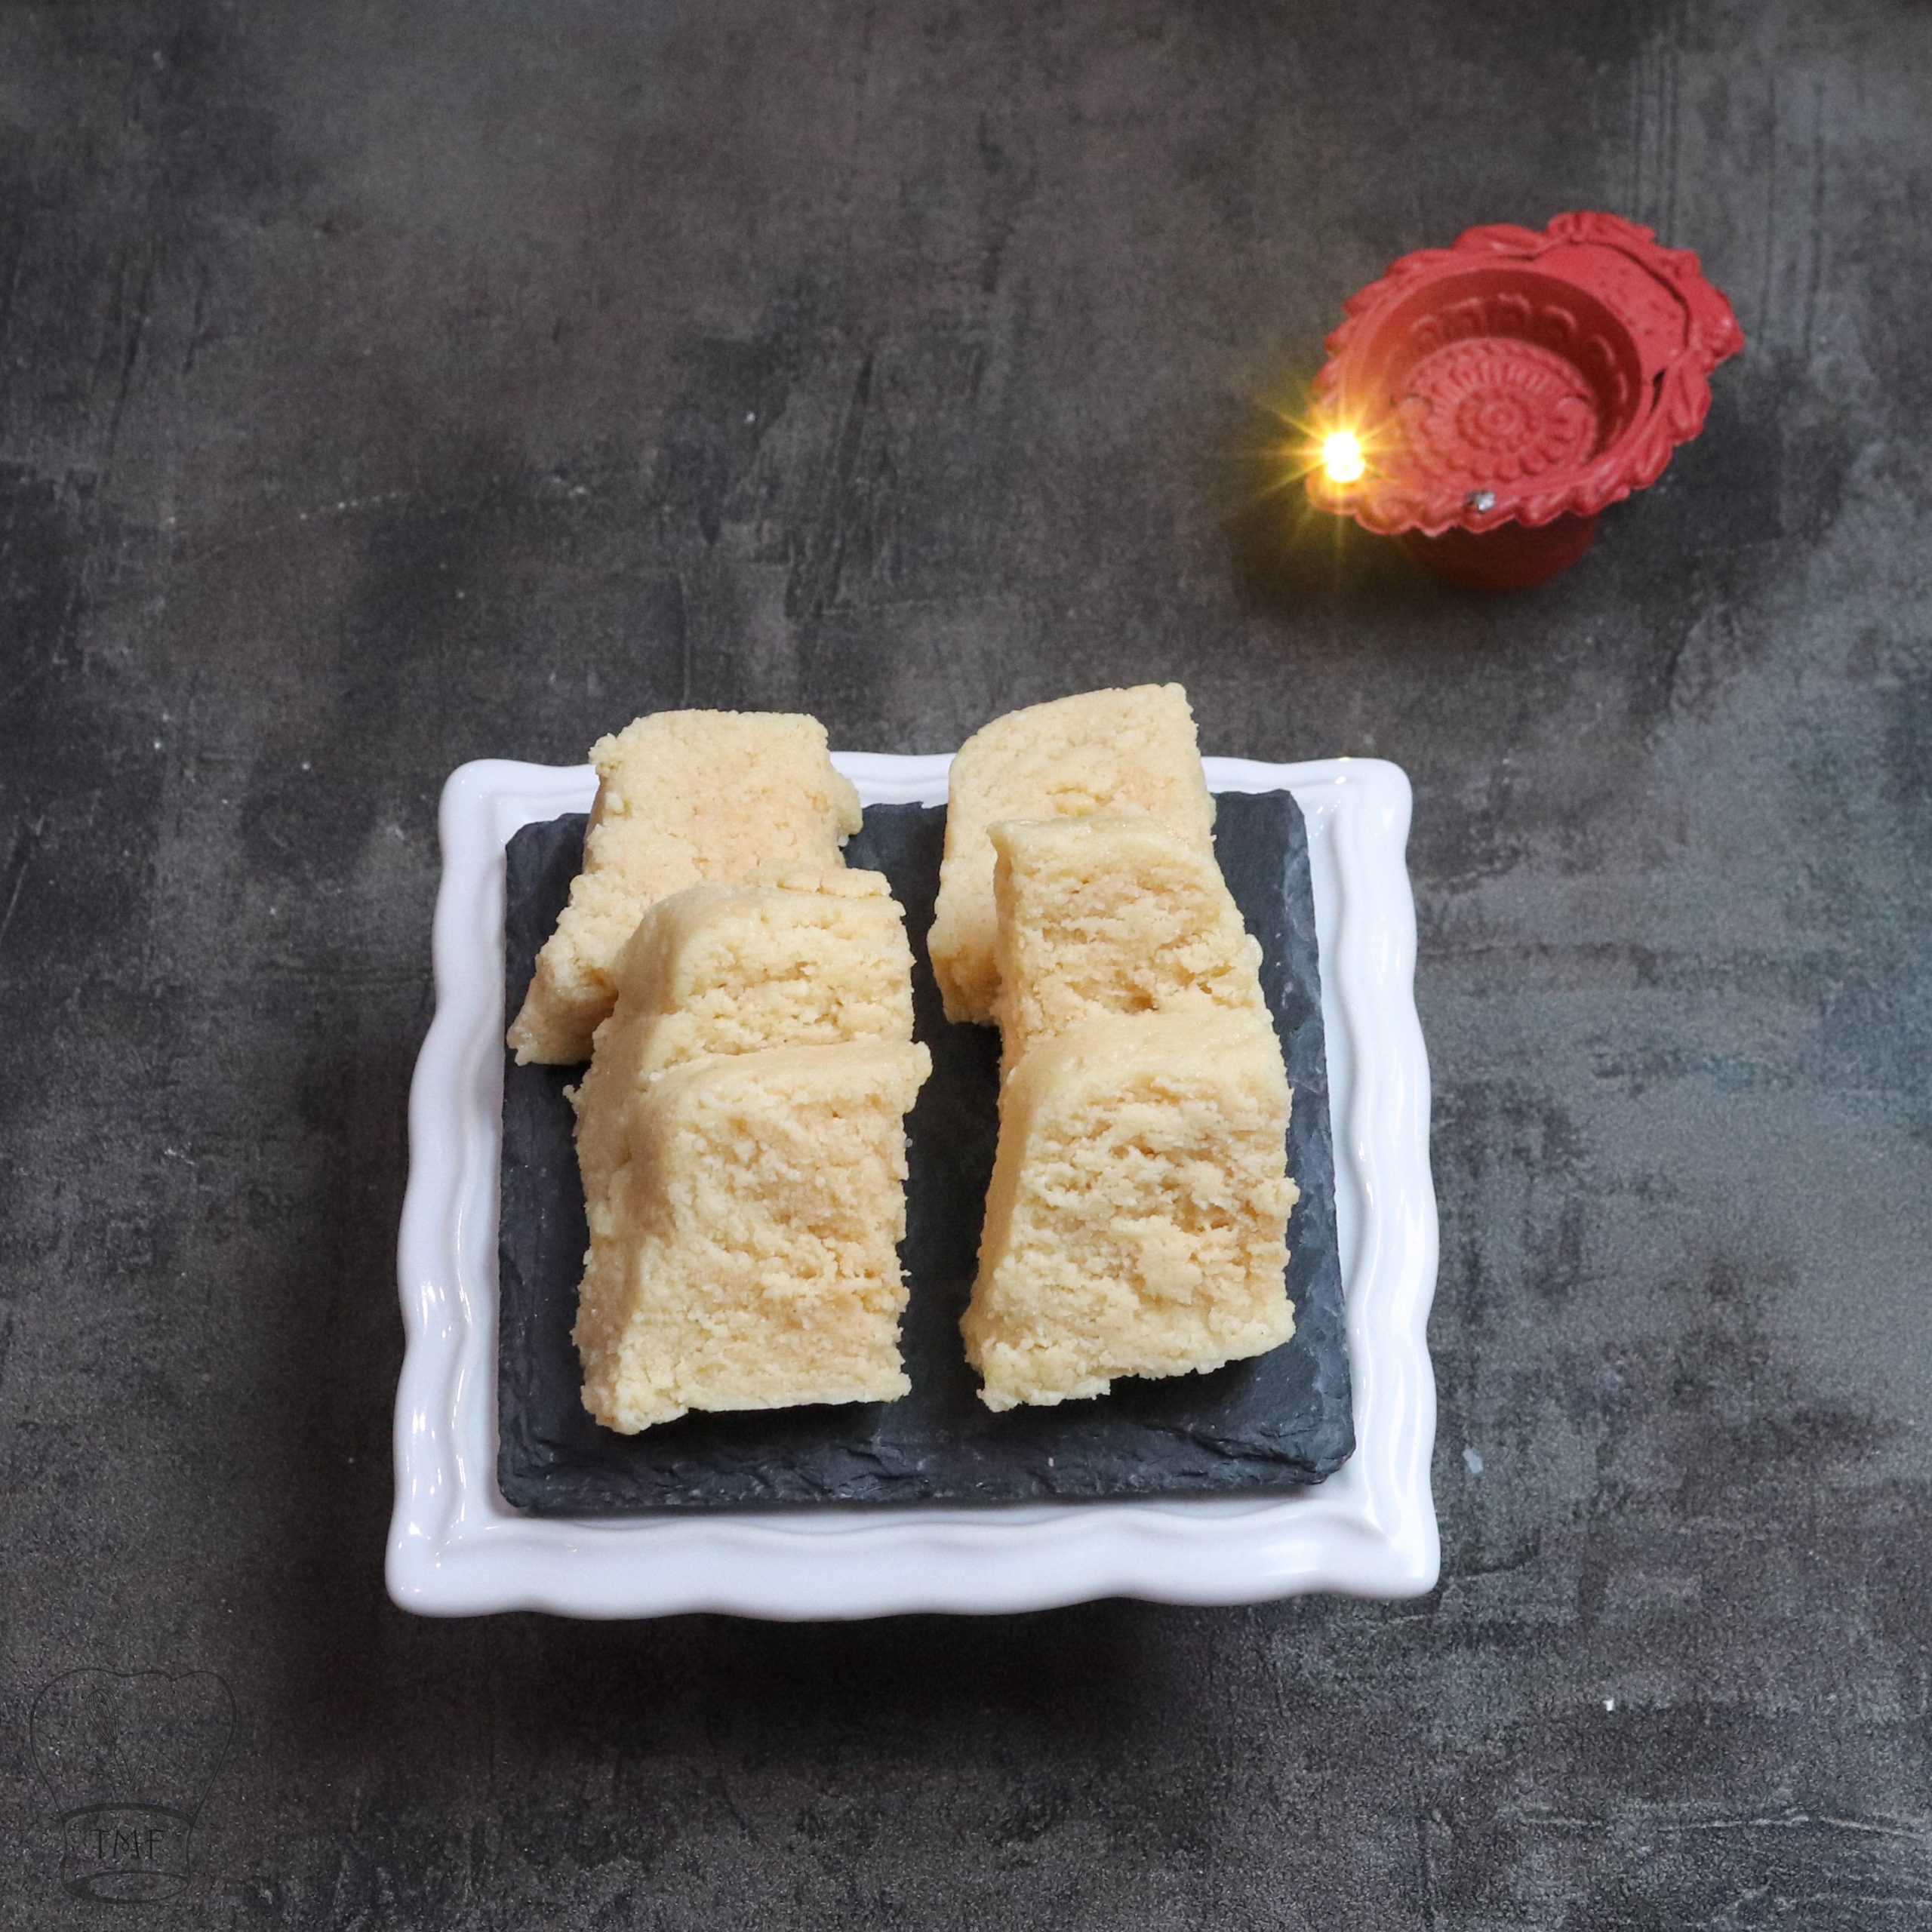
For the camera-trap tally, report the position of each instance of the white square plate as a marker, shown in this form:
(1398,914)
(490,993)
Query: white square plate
(457,1548)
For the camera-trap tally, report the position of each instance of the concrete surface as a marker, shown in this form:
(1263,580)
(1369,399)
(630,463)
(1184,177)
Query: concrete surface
(383,386)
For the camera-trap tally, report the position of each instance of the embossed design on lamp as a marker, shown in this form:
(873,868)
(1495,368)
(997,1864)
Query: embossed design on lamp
(1499,394)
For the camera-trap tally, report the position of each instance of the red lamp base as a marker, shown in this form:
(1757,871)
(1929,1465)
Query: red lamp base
(1511,557)
(1504,391)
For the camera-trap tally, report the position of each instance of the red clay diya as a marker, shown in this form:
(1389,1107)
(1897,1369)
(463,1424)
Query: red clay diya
(1484,403)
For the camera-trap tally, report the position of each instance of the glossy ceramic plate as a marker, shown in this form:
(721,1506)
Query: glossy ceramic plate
(457,1548)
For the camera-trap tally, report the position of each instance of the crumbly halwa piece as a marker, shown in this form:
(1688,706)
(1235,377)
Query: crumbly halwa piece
(1108,914)
(1136,1221)
(805,959)
(1108,751)
(746,1257)
(682,796)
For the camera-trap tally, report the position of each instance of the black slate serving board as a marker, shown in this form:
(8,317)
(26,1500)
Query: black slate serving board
(1278,1423)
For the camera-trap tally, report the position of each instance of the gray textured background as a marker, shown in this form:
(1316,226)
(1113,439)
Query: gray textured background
(381,386)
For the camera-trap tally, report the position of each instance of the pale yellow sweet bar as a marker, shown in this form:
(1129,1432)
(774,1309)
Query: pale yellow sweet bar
(746,1257)
(682,797)
(1106,751)
(1137,1223)
(1109,914)
(807,959)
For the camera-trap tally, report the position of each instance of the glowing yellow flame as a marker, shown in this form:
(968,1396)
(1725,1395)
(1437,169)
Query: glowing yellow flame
(1342,459)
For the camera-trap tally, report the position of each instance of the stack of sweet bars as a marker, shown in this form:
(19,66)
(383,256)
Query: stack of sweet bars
(1136,1220)
(740,1125)
(745,1004)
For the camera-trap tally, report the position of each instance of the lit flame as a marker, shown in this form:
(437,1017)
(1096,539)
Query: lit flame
(1342,459)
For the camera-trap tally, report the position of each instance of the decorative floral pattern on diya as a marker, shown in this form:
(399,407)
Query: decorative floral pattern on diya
(1517,378)
(1475,415)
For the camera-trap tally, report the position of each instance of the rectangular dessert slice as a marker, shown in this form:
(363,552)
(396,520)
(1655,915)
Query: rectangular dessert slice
(1109,750)
(807,959)
(746,1257)
(682,796)
(1109,914)
(1136,1221)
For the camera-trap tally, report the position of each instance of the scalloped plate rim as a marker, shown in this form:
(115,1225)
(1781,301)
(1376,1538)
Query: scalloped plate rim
(457,1548)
